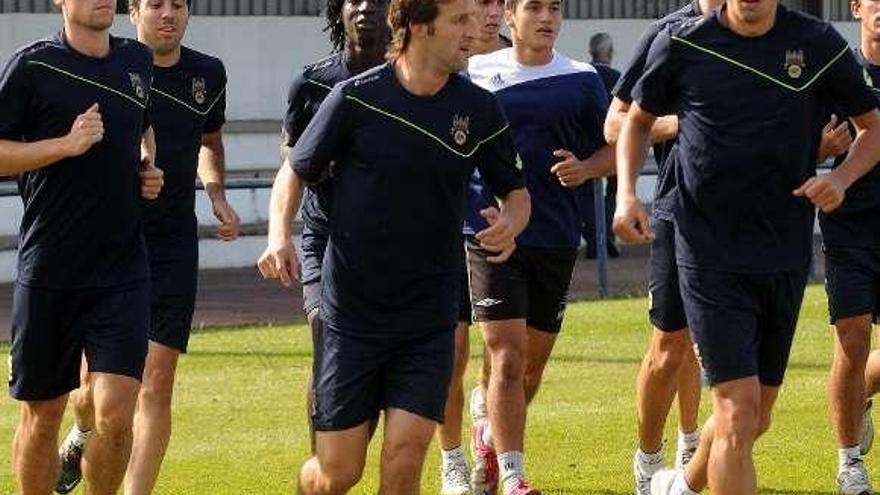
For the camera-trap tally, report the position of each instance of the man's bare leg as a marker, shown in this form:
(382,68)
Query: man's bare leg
(338,463)
(540,346)
(106,458)
(152,420)
(33,447)
(407,437)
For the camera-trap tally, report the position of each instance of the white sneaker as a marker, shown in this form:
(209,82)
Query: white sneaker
(662,482)
(853,479)
(455,478)
(866,439)
(683,454)
(643,476)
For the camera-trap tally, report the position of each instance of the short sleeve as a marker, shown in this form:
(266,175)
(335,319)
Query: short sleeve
(600,98)
(655,91)
(497,160)
(15,98)
(297,116)
(217,113)
(633,72)
(322,140)
(845,82)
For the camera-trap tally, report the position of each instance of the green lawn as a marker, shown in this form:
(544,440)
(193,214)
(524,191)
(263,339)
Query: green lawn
(240,423)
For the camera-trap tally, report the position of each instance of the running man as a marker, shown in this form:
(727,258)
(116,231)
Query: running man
(455,473)
(188,107)
(75,129)
(743,201)
(852,265)
(669,367)
(359,35)
(389,306)
(556,108)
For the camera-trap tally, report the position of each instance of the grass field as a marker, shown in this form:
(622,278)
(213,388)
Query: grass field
(240,423)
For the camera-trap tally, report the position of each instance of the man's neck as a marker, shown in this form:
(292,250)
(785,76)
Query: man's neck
(530,56)
(417,76)
(491,45)
(870,49)
(169,59)
(360,58)
(87,41)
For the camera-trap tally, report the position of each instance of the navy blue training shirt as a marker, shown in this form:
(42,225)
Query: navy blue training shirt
(82,224)
(623,91)
(307,91)
(750,117)
(560,105)
(399,165)
(857,222)
(188,101)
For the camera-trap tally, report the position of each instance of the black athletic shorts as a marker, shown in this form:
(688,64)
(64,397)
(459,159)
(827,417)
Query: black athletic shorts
(852,282)
(532,285)
(313,246)
(51,328)
(356,377)
(173,285)
(742,325)
(664,295)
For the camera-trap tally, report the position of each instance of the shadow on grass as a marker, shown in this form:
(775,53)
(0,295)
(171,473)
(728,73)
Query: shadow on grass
(591,491)
(249,354)
(775,491)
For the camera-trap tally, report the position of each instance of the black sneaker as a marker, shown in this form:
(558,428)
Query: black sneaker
(70,456)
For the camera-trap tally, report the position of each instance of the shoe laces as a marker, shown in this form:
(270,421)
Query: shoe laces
(456,473)
(854,474)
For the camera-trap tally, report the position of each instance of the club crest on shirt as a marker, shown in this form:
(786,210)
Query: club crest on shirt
(137,84)
(460,129)
(794,63)
(199,90)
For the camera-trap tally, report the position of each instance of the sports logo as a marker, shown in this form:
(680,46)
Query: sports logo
(199,90)
(794,63)
(137,84)
(496,80)
(488,302)
(460,130)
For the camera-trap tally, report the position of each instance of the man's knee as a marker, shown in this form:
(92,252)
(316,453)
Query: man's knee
(341,475)
(854,337)
(404,456)
(668,351)
(738,416)
(158,386)
(42,419)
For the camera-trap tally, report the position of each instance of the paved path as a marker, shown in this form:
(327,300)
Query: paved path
(241,297)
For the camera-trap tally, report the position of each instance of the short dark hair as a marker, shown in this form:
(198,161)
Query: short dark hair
(402,13)
(134,5)
(600,44)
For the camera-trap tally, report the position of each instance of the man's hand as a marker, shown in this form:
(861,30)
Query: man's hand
(631,221)
(826,192)
(229,221)
(86,131)
(152,178)
(279,261)
(836,139)
(572,172)
(499,237)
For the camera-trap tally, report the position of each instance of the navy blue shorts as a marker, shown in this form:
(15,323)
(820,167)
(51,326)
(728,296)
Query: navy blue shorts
(355,377)
(532,285)
(742,324)
(52,328)
(664,295)
(312,248)
(173,286)
(852,282)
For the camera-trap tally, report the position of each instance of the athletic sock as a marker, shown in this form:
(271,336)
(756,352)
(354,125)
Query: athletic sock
(478,403)
(650,463)
(487,434)
(77,436)
(690,440)
(845,456)
(680,486)
(510,465)
(452,456)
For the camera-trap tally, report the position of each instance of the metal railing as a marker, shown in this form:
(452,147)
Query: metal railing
(835,10)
